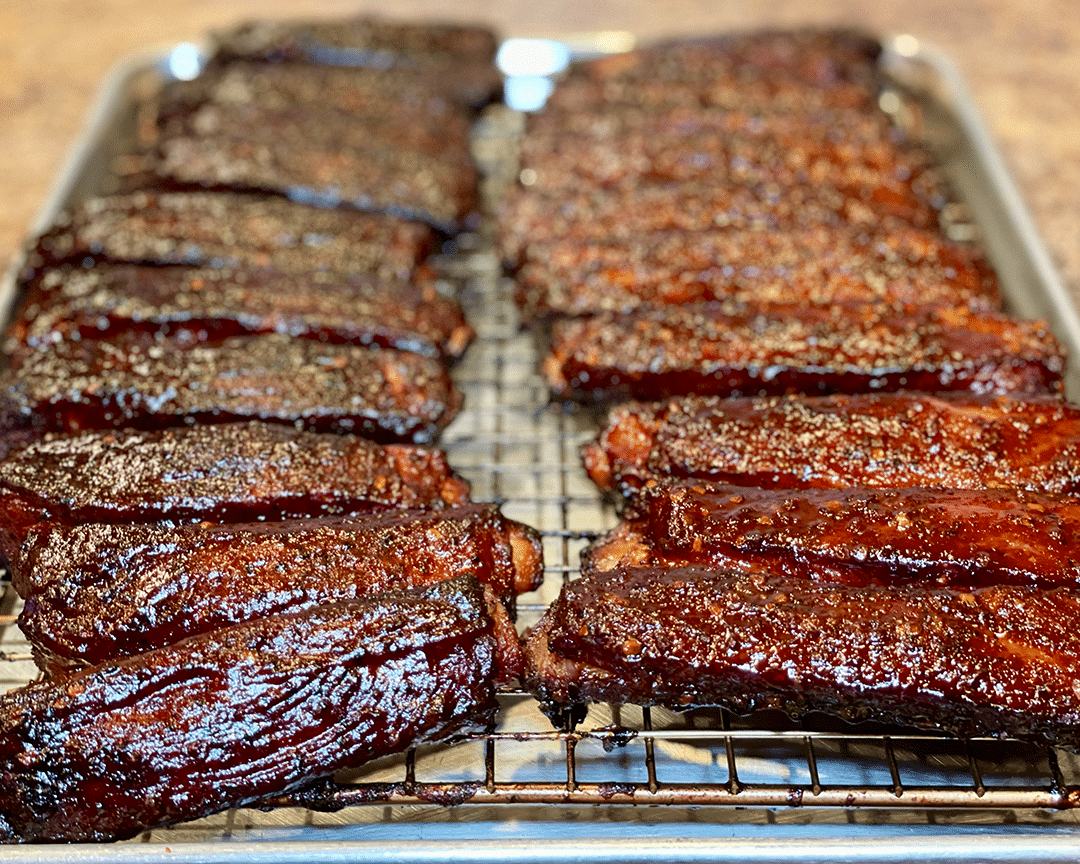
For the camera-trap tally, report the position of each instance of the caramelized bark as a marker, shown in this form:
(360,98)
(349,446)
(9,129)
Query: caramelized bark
(145,382)
(97,592)
(961,441)
(766,350)
(960,538)
(239,472)
(812,266)
(227,718)
(999,661)
(223,229)
(206,303)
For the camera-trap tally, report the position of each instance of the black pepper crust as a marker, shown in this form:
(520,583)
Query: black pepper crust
(197,304)
(230,472)
(230,717)
(880,440)
(1000,661)
(652,353)
(146,382)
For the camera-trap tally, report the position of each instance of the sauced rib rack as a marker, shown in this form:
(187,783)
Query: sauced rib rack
(140,381)
(761,350)
(960,440)
(99,592)
(960,538)
(1000,661)
(233,716)
(813,266)
(203,303)
(240,472)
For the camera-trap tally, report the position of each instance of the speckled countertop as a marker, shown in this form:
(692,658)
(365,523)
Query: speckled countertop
(1021,59)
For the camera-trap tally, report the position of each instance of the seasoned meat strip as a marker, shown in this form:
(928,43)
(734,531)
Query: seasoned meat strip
(224,229)
(145,382)
(531,220)
(960,538)
(952,440)
(98,592)
(765,350)
(227,718)
(197,304)
(773,71)
(232,472)
(813,266)
(1000,661)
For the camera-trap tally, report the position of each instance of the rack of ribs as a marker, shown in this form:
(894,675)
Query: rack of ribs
(960,538)
(955,440)
(813,266)
(997,661)
(195,304)
(143,381)
(228,718)
(224,229)
(99,592)
(232,472)
(653,353)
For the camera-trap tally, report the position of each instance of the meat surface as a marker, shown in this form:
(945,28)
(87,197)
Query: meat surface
(960,538)
(764,350)
(999,661)
(223,229)
(230,717)
(197,304)
(233,472)
(959,440)
(146,382)
(99,592)
(811,266)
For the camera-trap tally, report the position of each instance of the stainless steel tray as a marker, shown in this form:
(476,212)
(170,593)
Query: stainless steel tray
(731,790)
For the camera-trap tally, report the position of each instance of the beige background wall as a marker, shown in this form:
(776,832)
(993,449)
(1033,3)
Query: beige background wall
(1021,59)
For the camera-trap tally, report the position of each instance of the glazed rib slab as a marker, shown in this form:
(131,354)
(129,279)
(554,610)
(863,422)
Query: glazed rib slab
(1000,661)
(963,441)
(96,592)
(230,717)
(240,472)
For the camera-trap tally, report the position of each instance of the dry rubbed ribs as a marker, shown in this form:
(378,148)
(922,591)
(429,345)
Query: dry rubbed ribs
(227,718)
(146,382)
(224,229)
(707,348)
(206,303)
(239,472)
(998,661)
(813,266)
(97,592)
(957,440)
(960,538)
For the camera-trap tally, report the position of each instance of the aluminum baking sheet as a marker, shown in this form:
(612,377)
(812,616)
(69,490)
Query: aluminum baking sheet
(771,792)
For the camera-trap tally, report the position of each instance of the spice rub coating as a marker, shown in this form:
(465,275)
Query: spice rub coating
(227,718)
(999,661)
(882,440)
(232,472)
(196,304)
(146,382)
(223,229)
(652,353)
(97,592)
(960,538)
(813,266)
